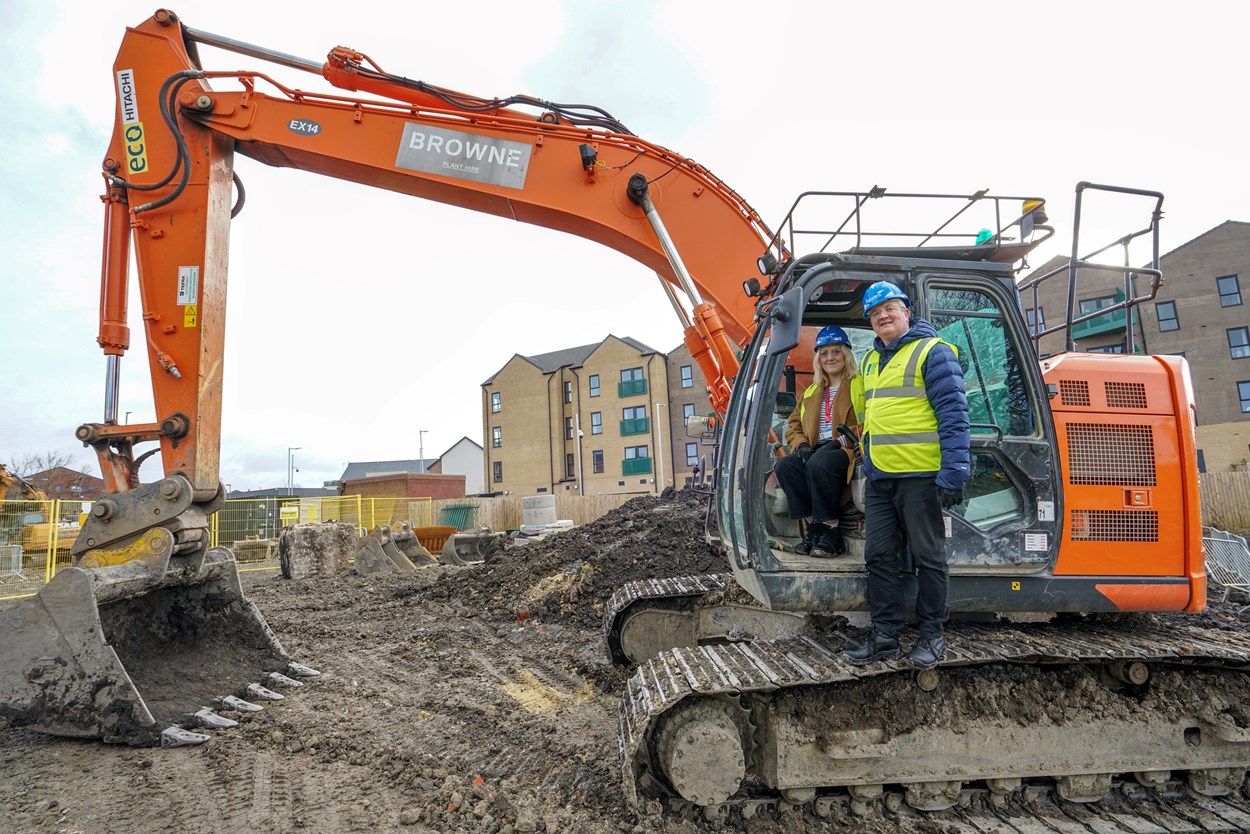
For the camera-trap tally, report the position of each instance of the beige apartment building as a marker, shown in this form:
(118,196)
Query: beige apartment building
(592,420)
(1200,312)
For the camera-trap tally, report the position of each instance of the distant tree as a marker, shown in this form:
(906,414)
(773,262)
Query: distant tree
(32,463)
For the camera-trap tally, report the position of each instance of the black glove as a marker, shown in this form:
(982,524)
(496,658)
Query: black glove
(950,497)
(804,452)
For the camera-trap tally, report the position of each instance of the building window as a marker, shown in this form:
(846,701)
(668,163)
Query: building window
(596,422)
(1106,349)
(632,383)
(692,454)
(634,420)
(1238,342)
(594,385)
(1243,393)
(496,436)
(569,466)
(1166,310)
(568,428)
(495,402)
(596,461)
(687,411)
(498,467)
(1230,290)
(687,376)
(1036,319)
(1093,305)
(637,461)
(568,392)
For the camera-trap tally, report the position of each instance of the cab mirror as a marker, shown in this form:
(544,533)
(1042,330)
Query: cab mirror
(786,315)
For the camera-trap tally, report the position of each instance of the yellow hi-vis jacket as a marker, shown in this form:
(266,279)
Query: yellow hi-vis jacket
(900,426)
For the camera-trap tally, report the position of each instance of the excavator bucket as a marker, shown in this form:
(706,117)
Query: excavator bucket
(140,652)
(468,548)
(377,553)
(405,538)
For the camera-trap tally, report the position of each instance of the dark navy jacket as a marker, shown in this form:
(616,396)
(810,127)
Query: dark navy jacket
(944,385)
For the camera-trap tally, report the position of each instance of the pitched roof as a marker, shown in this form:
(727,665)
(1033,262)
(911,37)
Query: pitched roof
(573,357)
(379,468)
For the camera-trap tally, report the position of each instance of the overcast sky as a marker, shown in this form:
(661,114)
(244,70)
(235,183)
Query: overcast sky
(359,317)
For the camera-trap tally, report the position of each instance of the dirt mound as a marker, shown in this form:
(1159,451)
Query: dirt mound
(567,576)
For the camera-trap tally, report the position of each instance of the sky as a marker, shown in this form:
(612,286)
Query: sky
(361,323)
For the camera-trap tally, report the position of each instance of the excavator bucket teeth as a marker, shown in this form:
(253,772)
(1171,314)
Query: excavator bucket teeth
(468,548)
(126,652)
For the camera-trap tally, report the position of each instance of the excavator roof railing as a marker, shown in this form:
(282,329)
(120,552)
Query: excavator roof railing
(977,226)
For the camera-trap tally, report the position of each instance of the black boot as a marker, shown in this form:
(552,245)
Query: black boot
(876,646)
(814,532)
(829,543)
(927,652)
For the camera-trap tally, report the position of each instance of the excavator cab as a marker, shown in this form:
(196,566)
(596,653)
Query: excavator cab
(1007,526)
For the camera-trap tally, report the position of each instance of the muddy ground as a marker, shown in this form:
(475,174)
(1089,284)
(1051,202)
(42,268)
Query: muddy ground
(456,700)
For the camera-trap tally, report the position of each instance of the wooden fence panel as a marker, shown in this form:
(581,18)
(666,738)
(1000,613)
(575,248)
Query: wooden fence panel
(1225,498)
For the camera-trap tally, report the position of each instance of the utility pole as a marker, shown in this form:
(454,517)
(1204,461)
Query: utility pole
(421,433)
(290,468)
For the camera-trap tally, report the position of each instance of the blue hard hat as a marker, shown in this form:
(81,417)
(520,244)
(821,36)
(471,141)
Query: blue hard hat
(881,292)
(832,336)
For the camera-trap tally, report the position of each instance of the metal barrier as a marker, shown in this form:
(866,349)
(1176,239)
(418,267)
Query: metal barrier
(1227,557)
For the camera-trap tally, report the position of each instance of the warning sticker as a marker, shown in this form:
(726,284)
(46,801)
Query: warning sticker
(190,316)
(188,285)
(1045,510)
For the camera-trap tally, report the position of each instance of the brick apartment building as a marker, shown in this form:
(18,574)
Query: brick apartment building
(1200,313)
(595,419)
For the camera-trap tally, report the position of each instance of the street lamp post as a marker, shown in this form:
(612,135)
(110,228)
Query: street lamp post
(421,433)
(290,468)
(127,420)
(661,430)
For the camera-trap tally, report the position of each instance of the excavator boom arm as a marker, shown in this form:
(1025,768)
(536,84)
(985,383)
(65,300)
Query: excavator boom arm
(170,170)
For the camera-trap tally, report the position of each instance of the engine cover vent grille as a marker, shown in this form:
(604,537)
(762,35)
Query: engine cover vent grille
(1073,392)
(1115,526)
(1126,395)
(1110,455)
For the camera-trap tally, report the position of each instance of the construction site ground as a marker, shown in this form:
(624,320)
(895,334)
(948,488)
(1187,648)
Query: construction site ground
(473,699)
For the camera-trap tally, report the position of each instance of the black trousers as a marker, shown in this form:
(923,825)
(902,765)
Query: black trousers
(815,488)
(899,514)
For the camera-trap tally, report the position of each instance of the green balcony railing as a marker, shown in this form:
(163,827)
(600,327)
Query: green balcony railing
(1109,323)
(636,466)
(640,425)
(632,388)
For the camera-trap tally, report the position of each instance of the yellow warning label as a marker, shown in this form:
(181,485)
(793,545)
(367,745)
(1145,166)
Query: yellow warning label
(1015,586)
(189,316)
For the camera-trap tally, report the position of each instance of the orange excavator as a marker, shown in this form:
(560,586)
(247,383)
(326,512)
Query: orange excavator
(1082,505)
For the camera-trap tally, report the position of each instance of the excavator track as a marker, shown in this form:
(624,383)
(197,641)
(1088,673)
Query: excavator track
(647,616)
(1074,708)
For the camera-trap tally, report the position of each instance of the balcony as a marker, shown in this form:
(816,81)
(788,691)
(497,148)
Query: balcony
(639,426)
(632,388)
(636,466)
(1097,326)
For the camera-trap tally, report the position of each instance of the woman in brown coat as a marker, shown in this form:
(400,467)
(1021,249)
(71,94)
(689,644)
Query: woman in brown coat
(818,468)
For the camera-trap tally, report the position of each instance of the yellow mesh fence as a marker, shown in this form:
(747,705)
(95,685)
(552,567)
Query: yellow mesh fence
(35,542)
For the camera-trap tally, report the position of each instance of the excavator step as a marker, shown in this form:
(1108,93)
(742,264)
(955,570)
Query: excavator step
(1068,705)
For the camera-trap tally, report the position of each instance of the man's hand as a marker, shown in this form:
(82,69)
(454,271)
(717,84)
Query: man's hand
(804,452)
(950,497)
